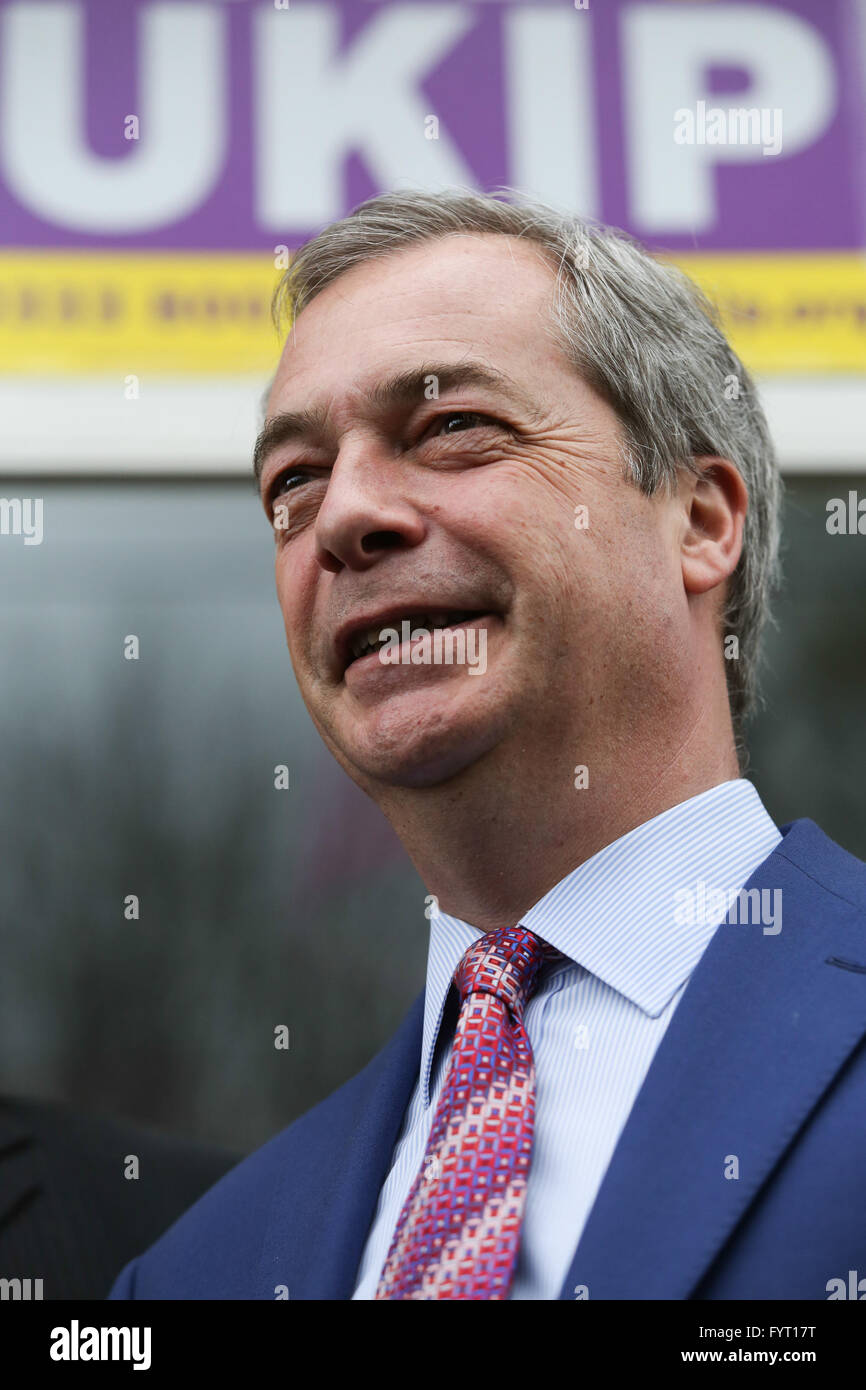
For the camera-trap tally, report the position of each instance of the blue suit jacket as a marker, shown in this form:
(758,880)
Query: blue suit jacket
(764,1060)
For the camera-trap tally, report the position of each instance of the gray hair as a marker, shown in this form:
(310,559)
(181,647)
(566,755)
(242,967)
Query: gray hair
(640,332)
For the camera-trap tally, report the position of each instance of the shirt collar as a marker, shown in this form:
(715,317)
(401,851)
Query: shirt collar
(618,915)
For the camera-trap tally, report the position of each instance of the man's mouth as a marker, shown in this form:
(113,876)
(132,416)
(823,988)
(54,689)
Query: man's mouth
(359,642)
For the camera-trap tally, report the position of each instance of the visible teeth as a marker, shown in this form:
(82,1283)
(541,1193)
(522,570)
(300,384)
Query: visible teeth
(370,640)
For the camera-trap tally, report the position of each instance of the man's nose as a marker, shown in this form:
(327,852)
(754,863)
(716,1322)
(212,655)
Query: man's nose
(366,510)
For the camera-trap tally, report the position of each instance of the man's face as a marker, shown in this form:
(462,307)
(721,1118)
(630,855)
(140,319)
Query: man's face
(394,502)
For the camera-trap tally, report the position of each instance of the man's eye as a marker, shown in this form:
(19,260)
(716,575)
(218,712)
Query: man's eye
(286,481)
(283,484)
(471,416)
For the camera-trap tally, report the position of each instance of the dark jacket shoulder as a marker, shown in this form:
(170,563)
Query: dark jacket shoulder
(81,1194)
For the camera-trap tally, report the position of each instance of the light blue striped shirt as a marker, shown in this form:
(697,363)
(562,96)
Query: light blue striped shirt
(633,921)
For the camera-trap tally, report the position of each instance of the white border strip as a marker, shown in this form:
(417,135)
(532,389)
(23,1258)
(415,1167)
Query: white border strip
(85,425)
(206,426)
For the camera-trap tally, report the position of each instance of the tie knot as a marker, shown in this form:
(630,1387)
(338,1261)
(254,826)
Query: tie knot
(504,962)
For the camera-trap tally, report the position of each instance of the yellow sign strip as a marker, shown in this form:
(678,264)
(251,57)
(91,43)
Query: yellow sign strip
(789,314)
(92,312)
(198,313)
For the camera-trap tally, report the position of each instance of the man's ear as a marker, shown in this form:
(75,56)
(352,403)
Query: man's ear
(714,511)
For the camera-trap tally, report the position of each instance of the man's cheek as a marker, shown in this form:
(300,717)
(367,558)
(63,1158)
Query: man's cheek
(291,625)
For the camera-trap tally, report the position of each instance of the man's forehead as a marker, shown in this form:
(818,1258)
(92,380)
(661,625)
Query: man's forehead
(440,260)
(469,288)
(479,276)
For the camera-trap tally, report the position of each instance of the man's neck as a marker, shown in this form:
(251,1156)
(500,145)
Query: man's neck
(488,849)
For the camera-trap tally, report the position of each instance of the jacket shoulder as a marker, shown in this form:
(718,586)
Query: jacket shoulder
(66,1204)
(826,865)
(215,1248)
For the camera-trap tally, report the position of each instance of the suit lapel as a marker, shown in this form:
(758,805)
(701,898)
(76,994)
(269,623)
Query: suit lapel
(737,1073)
(762,1028)
(314,1240)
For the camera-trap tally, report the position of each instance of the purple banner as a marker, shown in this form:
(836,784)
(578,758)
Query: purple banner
(236,125)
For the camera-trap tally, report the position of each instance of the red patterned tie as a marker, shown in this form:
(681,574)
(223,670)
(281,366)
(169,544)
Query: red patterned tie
(459,1229)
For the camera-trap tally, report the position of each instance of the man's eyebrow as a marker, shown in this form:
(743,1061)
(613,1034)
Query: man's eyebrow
(412,385)
(280,429)
(404,388)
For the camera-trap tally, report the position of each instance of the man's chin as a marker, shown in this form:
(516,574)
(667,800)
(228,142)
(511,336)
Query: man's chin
(416,757)
(415,775)
(417,729)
